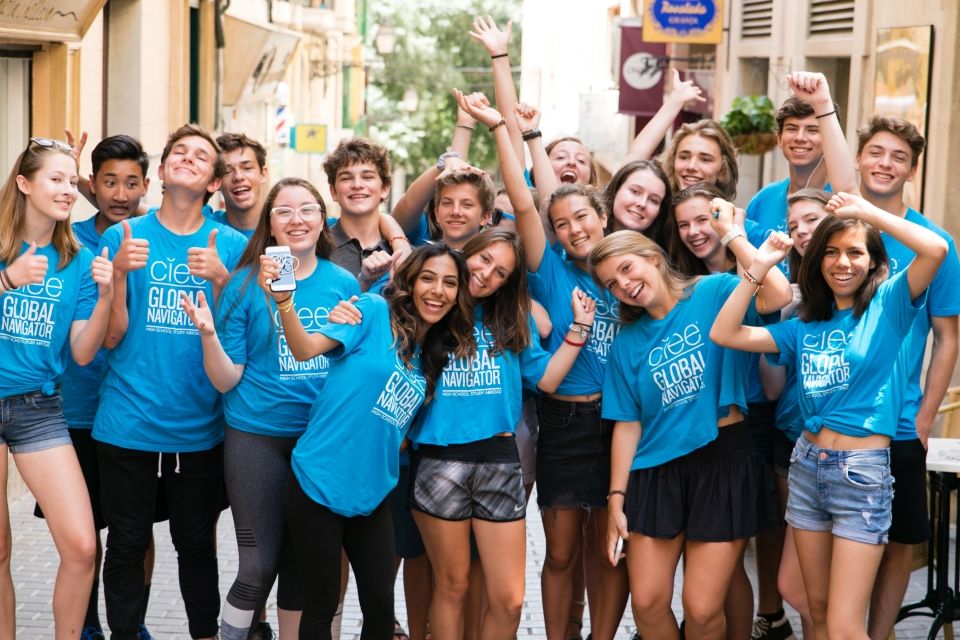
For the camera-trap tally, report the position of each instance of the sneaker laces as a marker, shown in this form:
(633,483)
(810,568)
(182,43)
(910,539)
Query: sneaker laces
(760,628)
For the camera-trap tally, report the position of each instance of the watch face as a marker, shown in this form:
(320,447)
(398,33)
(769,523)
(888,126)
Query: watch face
(641,70)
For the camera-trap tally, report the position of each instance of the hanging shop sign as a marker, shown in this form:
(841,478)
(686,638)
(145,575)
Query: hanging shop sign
(683,21)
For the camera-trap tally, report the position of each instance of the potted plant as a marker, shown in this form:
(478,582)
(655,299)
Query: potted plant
(751,124)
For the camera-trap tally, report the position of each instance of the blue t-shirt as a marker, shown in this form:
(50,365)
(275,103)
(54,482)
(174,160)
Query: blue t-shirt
(788,417)
(275,393)
(943,300)
(672,378)
(220,215)
(768,208)
(552,287)
(80,386)
(349,458)
(155,394)
(847,368)
(35,322)
(480,397)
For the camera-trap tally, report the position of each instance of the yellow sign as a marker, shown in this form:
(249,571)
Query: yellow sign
(683,21)
(309,138)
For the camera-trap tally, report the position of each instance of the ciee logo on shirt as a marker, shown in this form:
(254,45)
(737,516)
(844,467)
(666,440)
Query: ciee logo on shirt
(677,365)
(27,314)
(823,364)
(167,279)
(290,368)
(401,395)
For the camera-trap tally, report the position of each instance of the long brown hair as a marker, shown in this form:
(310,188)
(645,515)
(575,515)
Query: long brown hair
(657,229)
(506,312)
(452,336)
(685,260)
(625,242)
(817,299)
(711,130)
(13,209)
(794,259)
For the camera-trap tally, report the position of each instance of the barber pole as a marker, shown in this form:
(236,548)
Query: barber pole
(281,127)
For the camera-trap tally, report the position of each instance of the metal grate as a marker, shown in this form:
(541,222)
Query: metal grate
(756,19)
(829,17)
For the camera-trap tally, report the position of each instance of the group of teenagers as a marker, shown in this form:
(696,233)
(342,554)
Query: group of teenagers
(675,375)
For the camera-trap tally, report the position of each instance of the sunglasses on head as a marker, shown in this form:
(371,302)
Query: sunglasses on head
(499,215)
(52,144)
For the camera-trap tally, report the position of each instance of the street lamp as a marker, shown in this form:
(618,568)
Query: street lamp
(386,40)
(410,100)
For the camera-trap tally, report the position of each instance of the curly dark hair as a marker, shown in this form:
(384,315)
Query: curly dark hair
(357,151)
(506,312)
(452,336)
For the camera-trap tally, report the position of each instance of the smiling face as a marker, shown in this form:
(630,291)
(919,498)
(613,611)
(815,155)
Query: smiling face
(577,225)
(359,189)
(459,213)
(242,179)
(118,188)
(632,279)
(698,159)
(435,289)
(885,165)
(571,162)
(800,141)
(301,230)
(637,203)
(52,190)
(191,164)
(490,268)
(802,219)
(846,264)
(696,233)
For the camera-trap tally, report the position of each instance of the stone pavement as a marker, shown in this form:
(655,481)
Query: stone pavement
(35,561)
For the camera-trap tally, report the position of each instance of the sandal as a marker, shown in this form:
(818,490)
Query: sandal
(578,623)
(398,631)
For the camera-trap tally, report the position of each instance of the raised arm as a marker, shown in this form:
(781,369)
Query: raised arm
(776,292)
(728,329)
(930,249)
(222,371)
(645,144)
(813,89)
(584,309)
(414,200)
(303,345)
(528,220)
(86,336)
(528,118)
(497,43)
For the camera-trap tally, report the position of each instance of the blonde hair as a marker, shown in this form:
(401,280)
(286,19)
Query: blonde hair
(626,242)
(13,209)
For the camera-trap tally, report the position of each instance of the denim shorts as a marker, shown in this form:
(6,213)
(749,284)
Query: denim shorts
(33,422)
(847,492)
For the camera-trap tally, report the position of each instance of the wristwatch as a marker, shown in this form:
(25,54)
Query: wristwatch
(729,236)
(442,160)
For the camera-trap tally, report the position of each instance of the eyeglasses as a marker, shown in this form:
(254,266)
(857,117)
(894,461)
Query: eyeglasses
(52,144)
(308,212)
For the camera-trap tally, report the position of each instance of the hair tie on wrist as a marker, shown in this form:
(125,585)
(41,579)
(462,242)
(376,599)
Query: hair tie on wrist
(499,55)
(502,123)
(824,115)
(464,126)
(572,343)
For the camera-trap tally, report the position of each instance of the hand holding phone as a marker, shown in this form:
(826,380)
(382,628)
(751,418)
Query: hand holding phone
(285,261)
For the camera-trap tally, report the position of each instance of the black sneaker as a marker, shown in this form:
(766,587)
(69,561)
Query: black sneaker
(262,632)
(767,628)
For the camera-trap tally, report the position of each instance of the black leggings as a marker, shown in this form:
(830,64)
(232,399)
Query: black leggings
(318,536)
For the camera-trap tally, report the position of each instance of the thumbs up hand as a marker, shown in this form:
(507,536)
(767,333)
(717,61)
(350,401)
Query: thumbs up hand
(204,262)
(133,252)
(102,272)
(28,268)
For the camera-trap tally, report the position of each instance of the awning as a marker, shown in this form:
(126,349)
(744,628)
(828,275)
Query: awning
(254,57)
(61,21)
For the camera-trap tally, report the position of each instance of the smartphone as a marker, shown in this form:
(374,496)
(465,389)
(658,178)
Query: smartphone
(283,257)
(618,549)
